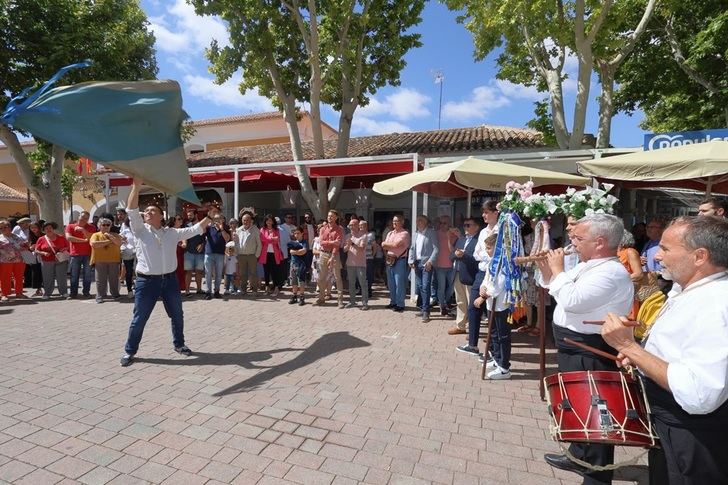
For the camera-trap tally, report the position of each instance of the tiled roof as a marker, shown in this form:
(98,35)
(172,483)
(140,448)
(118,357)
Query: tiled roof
(236,119)
(9,194)
(452,141)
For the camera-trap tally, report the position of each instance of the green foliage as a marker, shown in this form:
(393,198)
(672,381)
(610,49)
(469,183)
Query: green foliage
(653,81)
(69,181)
(38,37)
(543,123)
(265,38)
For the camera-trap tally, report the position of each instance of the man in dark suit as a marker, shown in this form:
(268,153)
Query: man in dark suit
(466,268)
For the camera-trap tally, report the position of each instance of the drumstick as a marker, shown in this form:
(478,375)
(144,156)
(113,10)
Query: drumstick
(594,350)
(628,323)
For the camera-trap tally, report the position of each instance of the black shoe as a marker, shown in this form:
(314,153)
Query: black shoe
(199,292)
(443,311)
(218,295)
(468,349)
(293,300)
(301,301)
(399,309)
(126,360)
(208,296)
(390,306)
(563,463)
(184,350)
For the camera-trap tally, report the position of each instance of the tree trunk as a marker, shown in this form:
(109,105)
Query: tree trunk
(556,95)
(50,201)
(586,65)
(606,104)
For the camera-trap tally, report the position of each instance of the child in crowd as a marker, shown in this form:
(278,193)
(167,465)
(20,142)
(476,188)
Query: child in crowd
(231,268)
(297,248)
(492,292)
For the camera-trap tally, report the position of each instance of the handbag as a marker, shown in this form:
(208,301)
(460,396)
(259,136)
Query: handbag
(61,257)
(28,257)
(647,286)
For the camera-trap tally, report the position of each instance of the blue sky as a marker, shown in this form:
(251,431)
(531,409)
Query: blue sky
(471,93)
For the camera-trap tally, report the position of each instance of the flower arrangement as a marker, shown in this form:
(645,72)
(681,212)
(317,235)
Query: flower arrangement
(515,197)
(591,200)
(541,206)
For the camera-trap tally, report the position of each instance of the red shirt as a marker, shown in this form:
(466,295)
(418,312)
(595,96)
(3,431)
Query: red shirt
(330,234)
(59,243)
(80,248)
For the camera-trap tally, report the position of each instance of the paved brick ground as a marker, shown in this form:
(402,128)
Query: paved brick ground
(274,394)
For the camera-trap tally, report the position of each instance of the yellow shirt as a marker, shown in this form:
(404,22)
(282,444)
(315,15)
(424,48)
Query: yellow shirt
(111,253)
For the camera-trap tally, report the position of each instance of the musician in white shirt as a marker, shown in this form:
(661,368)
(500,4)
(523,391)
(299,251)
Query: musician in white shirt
(156,252)
(685,356)
(599,284)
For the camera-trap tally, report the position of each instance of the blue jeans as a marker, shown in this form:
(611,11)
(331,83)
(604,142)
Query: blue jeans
(77,264)
(424,285)
(230,283)
(146,292)
(500,341)
(214,263)
(397,277)
(475,314)
(445,285)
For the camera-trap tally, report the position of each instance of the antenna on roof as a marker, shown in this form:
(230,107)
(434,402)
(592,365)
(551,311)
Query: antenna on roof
(439,79)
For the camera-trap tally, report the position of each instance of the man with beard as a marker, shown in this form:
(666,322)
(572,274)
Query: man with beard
(684,360)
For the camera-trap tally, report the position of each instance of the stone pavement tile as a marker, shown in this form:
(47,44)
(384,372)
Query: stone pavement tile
(276,452)
(141,431)
(189,463)
(40,456)
(432,473)
(100,455)
(119,442)
(98,476)
(406,480)
(71,467)
(491,472)
(143,449)
(289,440)
(339,480)
(285,426)
(309,432)
(443,461)
(377,477)
(21,430)
(246,444)
(71,428)
(182,477)
(220,471)
(247,477)
(153,472)
(14,470)
(14,447)
(97,435)
(277,469)
(202,449)
(39,477)
(226,455)
(525,478)
(308,460)
(198,432)
(127,464)
(311,445)
(344,468)
(256,463)
(402,467)
(274,481)
(270,436)
(165,456)
(307,476)
(128,480)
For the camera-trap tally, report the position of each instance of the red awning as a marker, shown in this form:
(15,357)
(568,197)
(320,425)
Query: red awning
(379,168)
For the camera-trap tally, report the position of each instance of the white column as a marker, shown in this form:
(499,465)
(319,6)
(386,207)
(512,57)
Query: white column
(236,192)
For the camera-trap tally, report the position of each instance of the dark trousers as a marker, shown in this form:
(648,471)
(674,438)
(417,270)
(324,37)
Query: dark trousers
(148,290)
(500,341)
(33,276)
(574,359)
(693,449)
(129,273)
(475,314)
(272,271)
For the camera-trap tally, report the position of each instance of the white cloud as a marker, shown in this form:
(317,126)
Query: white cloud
(181,30)
(519,91)
(481,102)
(403,104)
(361,125)
(226,94)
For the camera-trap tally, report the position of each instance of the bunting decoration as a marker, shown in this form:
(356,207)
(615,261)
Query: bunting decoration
(133,127)
(508,247)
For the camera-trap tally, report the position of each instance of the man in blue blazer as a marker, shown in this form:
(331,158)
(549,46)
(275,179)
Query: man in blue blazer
(466,268)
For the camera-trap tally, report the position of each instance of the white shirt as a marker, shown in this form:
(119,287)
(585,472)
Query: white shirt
(419,244)
(495,289)
(691,335)
(480,253)
(18,231)
(231,264)
(589,291)
(156,249)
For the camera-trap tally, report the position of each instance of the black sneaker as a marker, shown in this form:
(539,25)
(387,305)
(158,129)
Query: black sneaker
(425,317)
(301,301)
(126,360)
(399,309)
(390,306)
(199,292)
(293,300)
(468,349)
(208,296)
(218,295)
(184,350)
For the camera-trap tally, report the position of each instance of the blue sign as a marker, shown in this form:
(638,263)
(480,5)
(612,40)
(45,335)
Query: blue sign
(655,141)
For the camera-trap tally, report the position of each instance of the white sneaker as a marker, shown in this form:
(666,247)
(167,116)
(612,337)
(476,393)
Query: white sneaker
(499,373)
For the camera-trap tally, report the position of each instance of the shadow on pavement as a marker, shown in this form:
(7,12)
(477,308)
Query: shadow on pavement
(324,346)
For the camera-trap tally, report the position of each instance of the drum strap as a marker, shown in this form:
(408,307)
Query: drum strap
(599,468)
